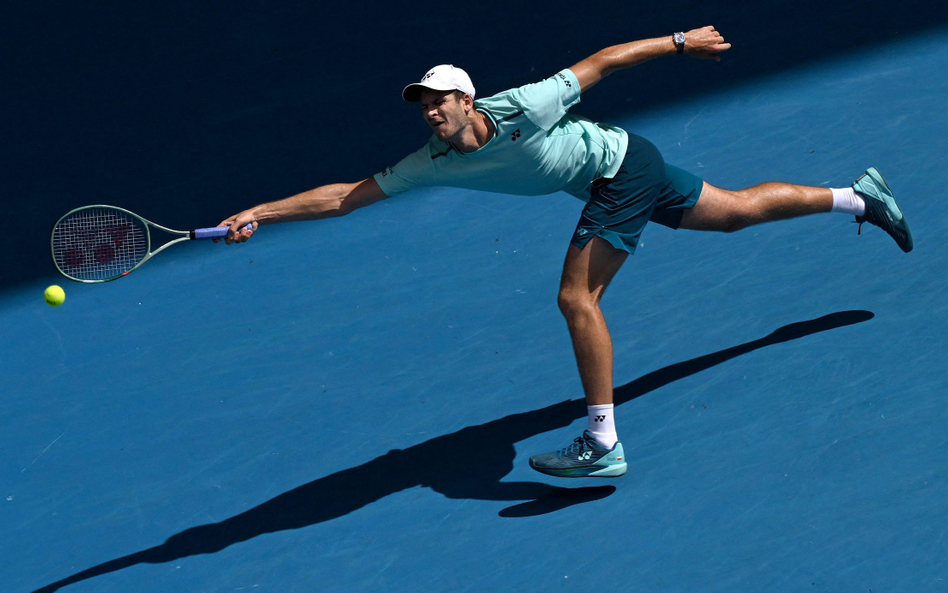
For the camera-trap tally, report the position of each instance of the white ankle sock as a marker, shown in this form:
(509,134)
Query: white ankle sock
(848,201)
(602,425)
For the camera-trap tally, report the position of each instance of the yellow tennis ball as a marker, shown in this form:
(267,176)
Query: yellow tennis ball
(54,296)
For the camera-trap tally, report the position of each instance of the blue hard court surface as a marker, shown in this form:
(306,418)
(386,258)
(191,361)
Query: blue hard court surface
(349,405)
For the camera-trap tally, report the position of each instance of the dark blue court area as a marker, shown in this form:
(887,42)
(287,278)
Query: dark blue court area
(349,405)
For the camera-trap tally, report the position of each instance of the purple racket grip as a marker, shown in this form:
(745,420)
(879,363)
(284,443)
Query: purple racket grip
(217,232)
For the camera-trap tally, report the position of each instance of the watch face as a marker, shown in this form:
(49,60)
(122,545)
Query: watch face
(679,38)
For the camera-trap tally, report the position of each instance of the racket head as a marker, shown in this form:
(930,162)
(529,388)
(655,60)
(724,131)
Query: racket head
(99,243)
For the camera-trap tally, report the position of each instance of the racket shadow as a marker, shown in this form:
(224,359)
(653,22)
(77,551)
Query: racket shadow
(488,450)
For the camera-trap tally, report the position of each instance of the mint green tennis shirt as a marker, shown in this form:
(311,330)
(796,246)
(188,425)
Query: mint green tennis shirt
(538,148)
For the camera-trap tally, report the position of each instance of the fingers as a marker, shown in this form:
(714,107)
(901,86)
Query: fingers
(240,237)
(710,35)
(714,50)
(237,231)
(715,39)
(708,44)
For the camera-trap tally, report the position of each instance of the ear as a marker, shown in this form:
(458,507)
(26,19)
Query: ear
(468,103)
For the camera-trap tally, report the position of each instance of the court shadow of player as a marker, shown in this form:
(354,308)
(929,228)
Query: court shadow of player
(488,453)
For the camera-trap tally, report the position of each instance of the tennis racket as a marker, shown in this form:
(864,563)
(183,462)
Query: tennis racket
(102,243)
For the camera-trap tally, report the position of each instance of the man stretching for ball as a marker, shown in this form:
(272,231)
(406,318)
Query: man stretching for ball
(523,141)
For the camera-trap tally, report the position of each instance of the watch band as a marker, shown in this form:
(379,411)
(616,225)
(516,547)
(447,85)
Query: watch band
(679,39)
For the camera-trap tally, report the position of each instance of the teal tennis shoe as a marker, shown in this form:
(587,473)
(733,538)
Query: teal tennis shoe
(881,209)
(584,457)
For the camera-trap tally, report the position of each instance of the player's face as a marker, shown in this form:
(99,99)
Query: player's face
(444,113)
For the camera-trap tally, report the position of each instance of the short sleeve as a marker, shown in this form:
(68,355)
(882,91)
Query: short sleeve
(546,102)
(415,170)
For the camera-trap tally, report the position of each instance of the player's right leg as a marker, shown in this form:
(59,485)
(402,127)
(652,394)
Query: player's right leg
(587,273)
(606,234)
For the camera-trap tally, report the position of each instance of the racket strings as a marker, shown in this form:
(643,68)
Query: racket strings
(99,243)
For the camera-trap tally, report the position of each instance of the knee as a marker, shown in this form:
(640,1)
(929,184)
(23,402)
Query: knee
(575,303)
(734,223)
(745,212)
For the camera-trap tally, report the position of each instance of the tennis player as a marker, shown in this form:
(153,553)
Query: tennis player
(524,141)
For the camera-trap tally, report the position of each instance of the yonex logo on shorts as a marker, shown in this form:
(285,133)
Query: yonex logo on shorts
(515,135)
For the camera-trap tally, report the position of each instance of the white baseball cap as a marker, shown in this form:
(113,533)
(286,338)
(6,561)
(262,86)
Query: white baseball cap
(444,77)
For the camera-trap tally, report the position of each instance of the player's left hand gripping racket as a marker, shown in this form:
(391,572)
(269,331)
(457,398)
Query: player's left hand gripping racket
(102,243)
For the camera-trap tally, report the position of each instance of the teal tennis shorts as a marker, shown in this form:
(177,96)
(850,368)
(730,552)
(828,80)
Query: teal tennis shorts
(645,189)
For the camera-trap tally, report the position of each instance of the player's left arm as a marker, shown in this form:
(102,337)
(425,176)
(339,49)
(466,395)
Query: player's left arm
(704,43)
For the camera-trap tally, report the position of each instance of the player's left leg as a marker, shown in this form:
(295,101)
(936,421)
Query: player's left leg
(870,199)
(725,210)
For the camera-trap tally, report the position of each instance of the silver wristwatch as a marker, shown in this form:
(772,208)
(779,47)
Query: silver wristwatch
(679,39)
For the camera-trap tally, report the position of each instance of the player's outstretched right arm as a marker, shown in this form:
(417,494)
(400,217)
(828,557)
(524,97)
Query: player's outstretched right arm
(327,201)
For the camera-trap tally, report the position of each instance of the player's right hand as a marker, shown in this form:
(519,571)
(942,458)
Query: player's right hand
(237,233)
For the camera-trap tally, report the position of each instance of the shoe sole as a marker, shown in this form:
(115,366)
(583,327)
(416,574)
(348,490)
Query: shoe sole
(610,471)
